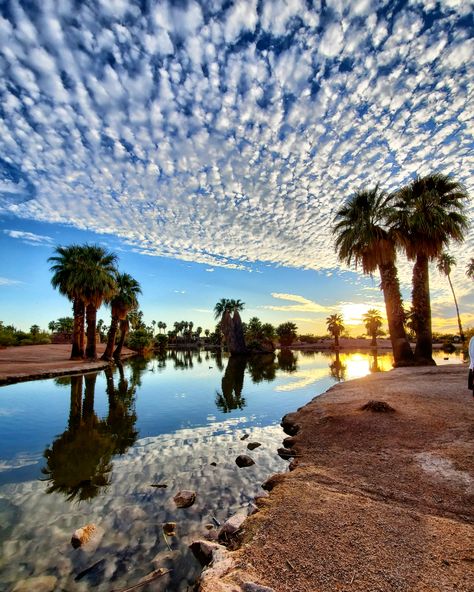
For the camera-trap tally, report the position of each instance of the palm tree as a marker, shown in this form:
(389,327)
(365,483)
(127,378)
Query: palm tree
(373,323)
(470,269)
(121,304)
(362,239)
(445,264)
(64,266)
(231,327)
(427,214)
(335,327)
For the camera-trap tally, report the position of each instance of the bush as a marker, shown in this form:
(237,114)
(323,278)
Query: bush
(161,341)
(140,341)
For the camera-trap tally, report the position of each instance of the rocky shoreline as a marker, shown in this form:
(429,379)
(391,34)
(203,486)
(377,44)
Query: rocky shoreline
(380,493)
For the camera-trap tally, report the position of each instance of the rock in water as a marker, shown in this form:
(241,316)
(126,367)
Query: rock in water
(253,445)
(169,528)
(83,535)
(232,525)
(185,498)
(244,461)
(36,584)
(203,550)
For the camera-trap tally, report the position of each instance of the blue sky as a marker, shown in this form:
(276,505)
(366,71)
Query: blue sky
(210,143)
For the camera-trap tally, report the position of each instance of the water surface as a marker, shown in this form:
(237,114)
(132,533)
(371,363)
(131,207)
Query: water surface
(89,448)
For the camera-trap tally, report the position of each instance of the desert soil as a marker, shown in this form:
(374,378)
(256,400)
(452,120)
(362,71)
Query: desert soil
(377,501)
(31,362)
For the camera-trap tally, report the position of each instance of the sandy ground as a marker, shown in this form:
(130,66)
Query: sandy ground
(30,362)
(377,501)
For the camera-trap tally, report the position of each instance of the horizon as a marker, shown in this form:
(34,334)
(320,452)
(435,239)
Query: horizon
(209,144)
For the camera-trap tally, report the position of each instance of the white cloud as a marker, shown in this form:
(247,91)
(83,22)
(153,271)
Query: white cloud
(30,238)
(9,282)
(302,304)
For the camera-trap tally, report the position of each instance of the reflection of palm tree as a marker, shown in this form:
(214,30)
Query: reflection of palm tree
(338,369)
(374,365)
(287,361)
(232,385)
(262,367)
(121,418)
(78,462)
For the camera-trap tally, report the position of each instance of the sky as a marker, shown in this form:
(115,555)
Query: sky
(210,143)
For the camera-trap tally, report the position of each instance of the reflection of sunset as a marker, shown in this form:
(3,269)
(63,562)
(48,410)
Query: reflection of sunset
(357,365)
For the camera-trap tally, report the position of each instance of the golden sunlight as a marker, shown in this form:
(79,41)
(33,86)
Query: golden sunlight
(352,312)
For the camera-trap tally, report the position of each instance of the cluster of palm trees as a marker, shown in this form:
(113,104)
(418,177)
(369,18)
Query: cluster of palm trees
(227,310)
(87,275)
(420,220)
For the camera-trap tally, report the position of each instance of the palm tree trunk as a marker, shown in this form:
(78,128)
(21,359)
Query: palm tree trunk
(107,355)
(374,340)
(239,339)
(461,332)
(124,325)
(91,315)
(402,354)
(336,340)
(77,352)
(422,312)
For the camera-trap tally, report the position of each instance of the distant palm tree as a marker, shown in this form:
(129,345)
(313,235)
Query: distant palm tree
(121,304)
(231,327)
(445,264)
(335,327)
(470,269)
(65,278)
(362,238)
(427,214)
(373,323)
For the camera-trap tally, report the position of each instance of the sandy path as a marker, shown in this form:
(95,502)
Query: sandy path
(30,362)
(377,501)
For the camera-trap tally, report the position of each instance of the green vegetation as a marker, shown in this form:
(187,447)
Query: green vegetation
(470,269)
(420,220)
(373,325)
(62,325)
(335,327)
(287,333)
(10,336)
(445,264)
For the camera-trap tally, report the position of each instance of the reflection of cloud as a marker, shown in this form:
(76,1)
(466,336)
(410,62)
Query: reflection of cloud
(20,461)
(304,378)
(302,304)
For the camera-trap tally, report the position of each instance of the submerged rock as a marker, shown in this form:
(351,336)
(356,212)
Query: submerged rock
(83,535)
(169,528)
(244,461)
(185,498)
(253,445)
(36,584)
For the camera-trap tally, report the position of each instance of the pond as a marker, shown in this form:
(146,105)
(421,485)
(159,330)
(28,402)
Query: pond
(94,448)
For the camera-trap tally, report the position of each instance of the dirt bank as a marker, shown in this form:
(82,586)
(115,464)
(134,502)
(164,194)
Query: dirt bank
(378,501)
(31,362)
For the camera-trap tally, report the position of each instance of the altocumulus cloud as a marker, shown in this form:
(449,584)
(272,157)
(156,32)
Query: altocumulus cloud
(227,132)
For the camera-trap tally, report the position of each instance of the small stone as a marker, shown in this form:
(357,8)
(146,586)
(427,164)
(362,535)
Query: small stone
(209,526)
(169,528)
(185,498)
(159,485)
(286,453)
(213,464)
(83,535)
(232,525)
(245,436)
(244,461)
(253,445)
(36,584)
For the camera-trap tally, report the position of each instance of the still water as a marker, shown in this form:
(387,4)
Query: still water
(92,448)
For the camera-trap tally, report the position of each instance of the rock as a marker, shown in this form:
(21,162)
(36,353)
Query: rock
(273,481)
(159,485)
(185,498)
(253,445)
(209,526)
(203,550)
(252,587)
(378,407)
(289,425)
(83,535)
(244,461)
(213,464)
(232,525)
(289,442)
(36,584)
(286,453)
(245,436)
(169,528)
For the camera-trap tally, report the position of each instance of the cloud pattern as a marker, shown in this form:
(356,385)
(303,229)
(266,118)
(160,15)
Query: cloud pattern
(227,132)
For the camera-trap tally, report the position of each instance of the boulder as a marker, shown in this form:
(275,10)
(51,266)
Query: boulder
(83,535)
(253,445)
(203,550)
(289,425)
(244,461)
(185,498)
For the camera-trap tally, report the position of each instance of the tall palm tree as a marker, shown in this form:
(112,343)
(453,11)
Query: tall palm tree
(427,213)
(373,323)
(445,265)
(362,239)
(121,304)
(335,326)
(470,269)
(64,266)
(231,326)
